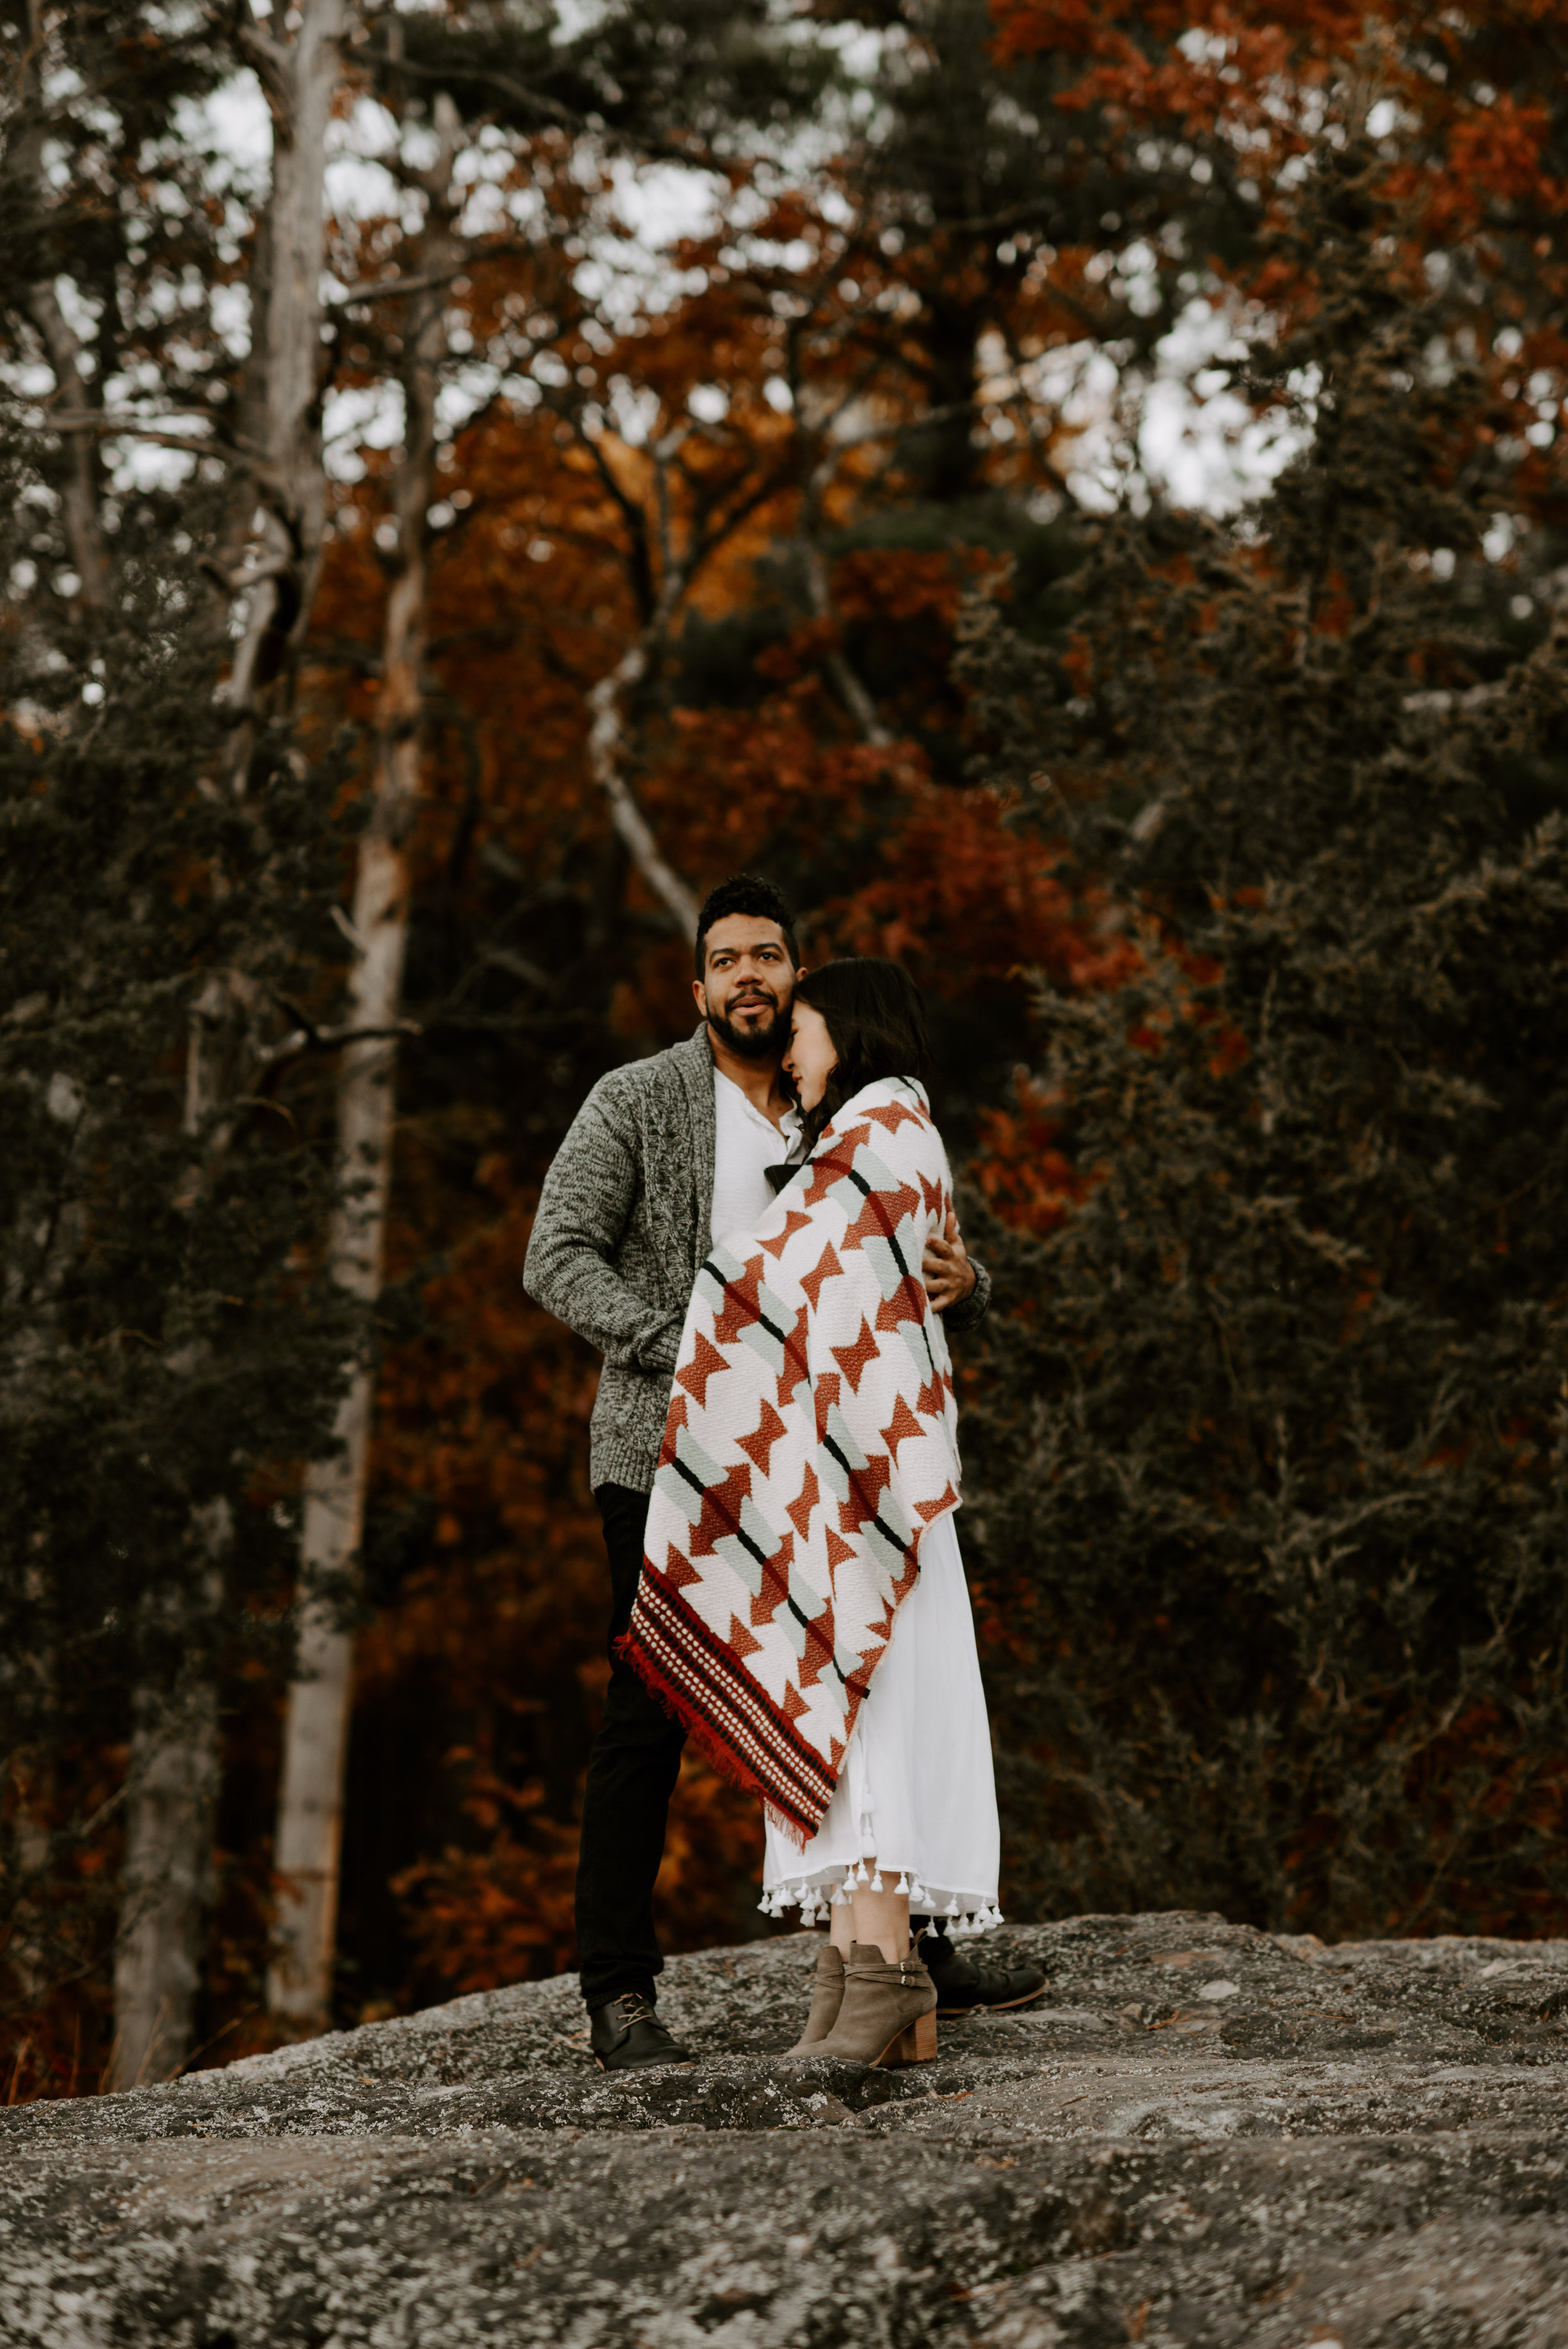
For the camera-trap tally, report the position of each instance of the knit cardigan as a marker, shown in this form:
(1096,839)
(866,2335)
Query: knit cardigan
(622,1229)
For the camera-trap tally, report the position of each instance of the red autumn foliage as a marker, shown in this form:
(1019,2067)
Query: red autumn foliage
(482,1662)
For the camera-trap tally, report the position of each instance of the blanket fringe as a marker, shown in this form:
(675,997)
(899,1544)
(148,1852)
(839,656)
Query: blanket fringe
(697,1727)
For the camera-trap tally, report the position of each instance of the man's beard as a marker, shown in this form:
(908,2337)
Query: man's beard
(761,1042)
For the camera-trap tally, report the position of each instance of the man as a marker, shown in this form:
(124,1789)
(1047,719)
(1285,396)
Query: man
(666,1156)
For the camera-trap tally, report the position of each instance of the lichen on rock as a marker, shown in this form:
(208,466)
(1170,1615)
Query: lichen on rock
(1201,2135)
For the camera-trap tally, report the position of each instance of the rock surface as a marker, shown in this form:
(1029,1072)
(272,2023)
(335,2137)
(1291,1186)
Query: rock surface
(1202,2136)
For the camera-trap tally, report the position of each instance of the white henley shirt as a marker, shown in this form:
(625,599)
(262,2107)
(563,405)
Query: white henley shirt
(746,1143)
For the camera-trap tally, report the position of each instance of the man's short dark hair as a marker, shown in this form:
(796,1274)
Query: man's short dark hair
(745,892)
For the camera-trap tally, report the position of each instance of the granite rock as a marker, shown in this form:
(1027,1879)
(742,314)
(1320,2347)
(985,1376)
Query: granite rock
(1202,2135)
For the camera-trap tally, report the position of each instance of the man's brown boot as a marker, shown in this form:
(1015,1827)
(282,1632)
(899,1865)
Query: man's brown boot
(889,2013)
(827,1997)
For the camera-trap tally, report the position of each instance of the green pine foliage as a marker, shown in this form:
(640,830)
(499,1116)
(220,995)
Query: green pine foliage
(1268,1492)
(168,1352)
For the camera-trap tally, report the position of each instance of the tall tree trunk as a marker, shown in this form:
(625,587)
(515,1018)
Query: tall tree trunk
(946,459)
(166,1884)
(79,486)
(165,1889)
(175,1765)
(300,79)
(316,1731)
(77,392)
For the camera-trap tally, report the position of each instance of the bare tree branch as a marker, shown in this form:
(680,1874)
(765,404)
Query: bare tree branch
(110,426)
(387,289)
(311,1039)
(268,58)
(606,753)
(566,118)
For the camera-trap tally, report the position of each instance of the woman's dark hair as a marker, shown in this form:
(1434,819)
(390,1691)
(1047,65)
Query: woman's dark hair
(877,1022)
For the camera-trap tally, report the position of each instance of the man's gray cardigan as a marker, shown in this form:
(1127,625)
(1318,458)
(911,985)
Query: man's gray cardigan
(623,1227)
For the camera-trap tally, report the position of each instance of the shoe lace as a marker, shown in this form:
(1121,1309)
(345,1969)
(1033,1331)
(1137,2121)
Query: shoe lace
(636,2008)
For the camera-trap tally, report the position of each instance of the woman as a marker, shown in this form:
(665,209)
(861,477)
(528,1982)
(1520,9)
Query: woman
(802,1605)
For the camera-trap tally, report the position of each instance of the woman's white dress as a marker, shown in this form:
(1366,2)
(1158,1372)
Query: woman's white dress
(916,1793)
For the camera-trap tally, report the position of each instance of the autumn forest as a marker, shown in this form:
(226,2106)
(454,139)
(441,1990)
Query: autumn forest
(1074,495)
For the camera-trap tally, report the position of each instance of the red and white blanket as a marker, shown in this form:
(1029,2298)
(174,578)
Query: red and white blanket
(811,1439)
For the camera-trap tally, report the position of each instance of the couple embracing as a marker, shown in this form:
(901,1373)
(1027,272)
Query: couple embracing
(756,1229)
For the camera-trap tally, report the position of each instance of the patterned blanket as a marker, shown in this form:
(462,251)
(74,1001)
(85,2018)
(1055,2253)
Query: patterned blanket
(811,1439)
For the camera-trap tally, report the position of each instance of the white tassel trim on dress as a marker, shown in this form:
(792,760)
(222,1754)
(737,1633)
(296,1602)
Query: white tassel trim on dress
(961,1912)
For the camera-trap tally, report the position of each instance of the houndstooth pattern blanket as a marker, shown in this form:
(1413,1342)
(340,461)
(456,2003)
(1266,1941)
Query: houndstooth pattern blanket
(811,1439)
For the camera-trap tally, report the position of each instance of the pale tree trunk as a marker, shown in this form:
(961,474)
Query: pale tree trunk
(300,79)
(75,394)
(316,1731)
(165,1887)
(174,1766)
(78,494)
(171,1796)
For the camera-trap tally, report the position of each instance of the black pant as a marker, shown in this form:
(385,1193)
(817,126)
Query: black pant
(632,1773)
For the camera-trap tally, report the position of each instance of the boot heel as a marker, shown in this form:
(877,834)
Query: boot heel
(915,2045)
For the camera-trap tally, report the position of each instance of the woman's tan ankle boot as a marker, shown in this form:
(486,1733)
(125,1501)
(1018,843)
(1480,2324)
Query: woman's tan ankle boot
(888,2012)
(827,1997)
